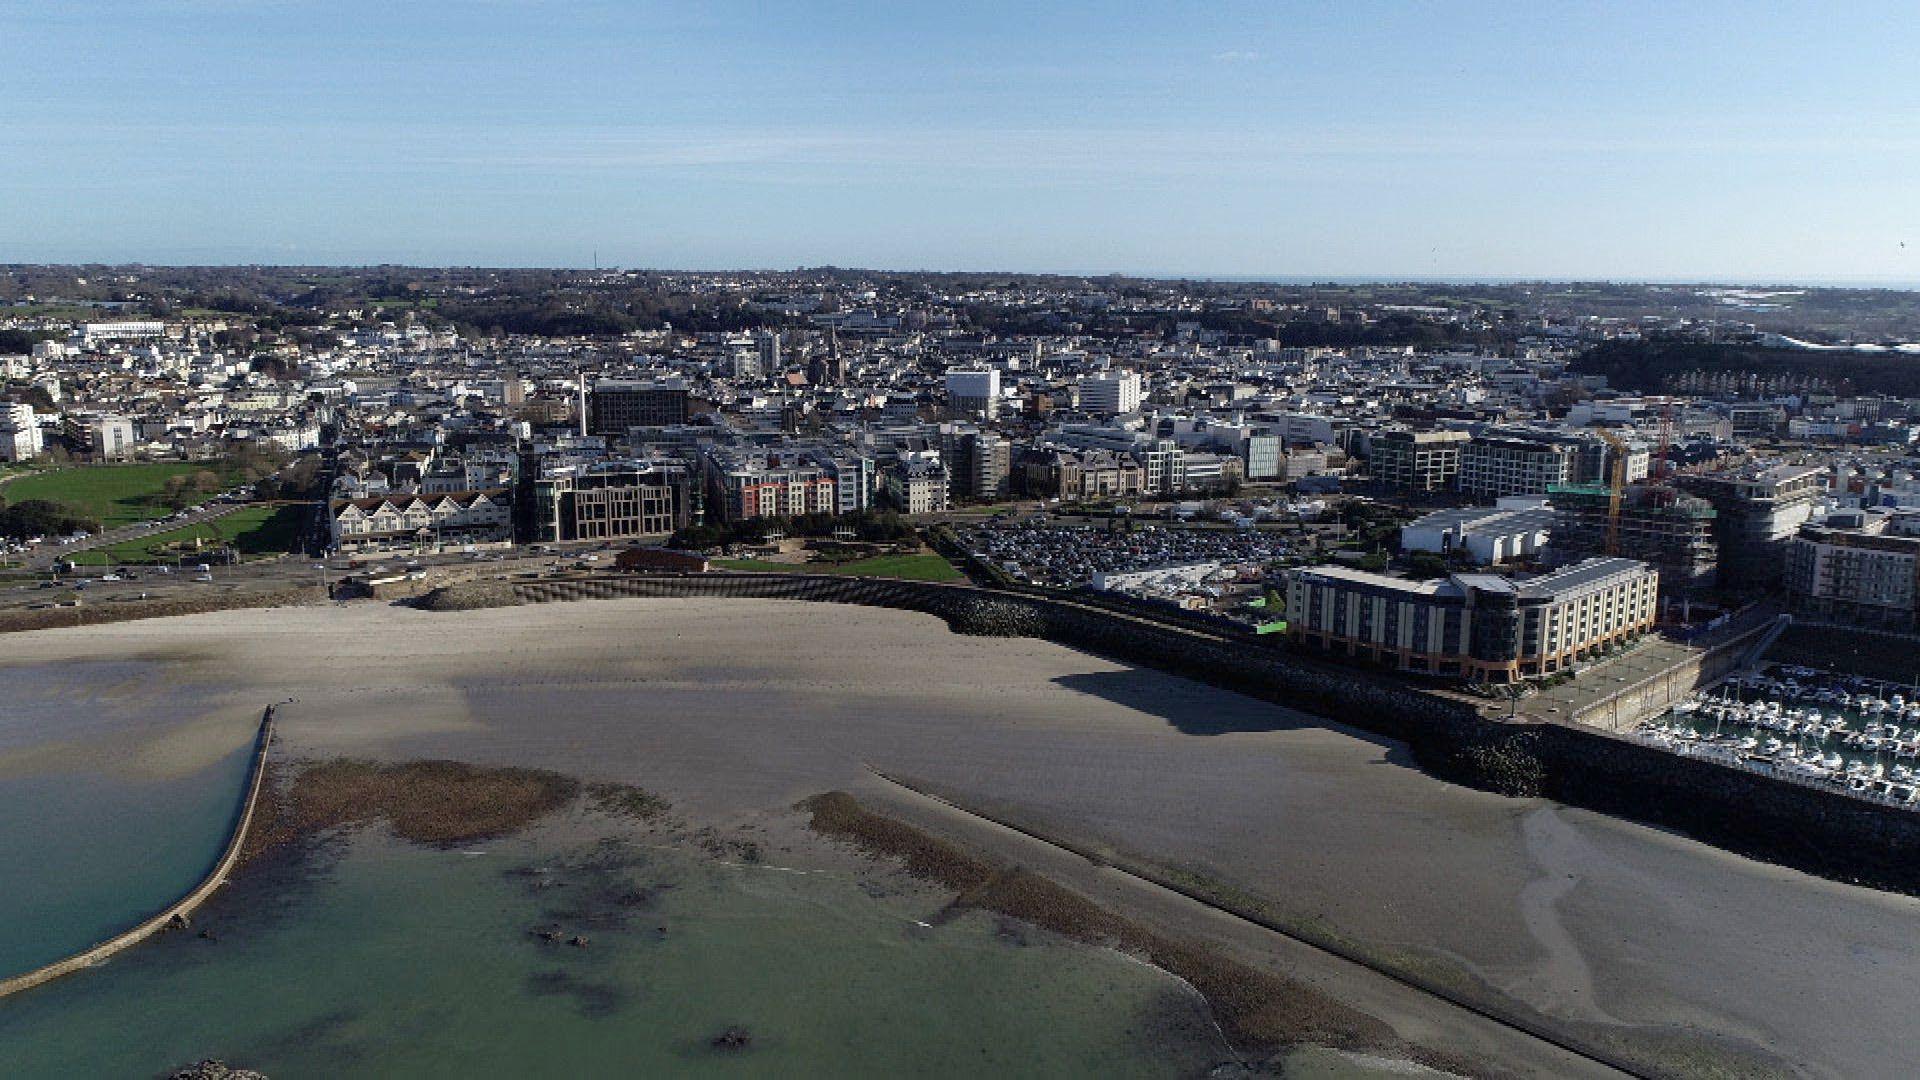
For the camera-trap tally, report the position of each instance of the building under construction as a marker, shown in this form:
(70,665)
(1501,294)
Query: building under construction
(1657,524)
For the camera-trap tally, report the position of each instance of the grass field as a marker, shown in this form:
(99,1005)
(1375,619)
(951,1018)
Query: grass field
(265,529)
(912,567)
(116,495)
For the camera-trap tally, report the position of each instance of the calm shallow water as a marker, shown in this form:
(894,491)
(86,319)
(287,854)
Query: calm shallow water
(380,957)
(86,853)
(86,857)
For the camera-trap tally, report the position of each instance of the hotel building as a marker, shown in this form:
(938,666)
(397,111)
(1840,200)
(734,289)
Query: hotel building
(1476,627)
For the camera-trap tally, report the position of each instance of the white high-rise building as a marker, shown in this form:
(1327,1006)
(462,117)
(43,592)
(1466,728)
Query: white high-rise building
(19,433)
(974,393)
(111,436)
(1110,392)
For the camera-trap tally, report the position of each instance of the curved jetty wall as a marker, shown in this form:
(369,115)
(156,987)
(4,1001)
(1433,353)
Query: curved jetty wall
(1813,829)
(185,905)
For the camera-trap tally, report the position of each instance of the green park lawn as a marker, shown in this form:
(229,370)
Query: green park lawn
(263,529)
(920,567)
(115,495)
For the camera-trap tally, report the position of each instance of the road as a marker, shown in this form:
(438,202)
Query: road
(46,555)
(268,575)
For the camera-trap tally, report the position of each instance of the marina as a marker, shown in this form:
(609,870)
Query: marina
(1857,735)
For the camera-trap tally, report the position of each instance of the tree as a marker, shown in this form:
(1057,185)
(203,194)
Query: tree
(18,341)
(41,517)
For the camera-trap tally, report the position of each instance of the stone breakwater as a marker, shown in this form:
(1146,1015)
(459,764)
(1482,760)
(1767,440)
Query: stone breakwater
(175,915)
(1821,832)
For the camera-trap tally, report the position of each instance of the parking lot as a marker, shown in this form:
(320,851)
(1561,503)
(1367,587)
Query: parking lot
(1068,555)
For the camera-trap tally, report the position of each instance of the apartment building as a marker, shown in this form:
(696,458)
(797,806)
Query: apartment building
(1495,465)
(1476,627)
(1416,461)
(1110,393)
(129,330)
(419,522)
(619,404)
(106,437)
(20,438)
(973,392)
(1858,567)
(615,501)
(979,463)
(854,478)
(750,482)
(917,483)
(1756,514)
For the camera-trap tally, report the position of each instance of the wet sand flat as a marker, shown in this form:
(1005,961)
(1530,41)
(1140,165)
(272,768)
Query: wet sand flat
(736,709)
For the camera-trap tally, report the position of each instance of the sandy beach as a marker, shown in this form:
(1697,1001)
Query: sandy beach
(736,710)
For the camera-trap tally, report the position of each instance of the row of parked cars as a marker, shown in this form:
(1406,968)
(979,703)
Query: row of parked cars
(202,573)
(23,547)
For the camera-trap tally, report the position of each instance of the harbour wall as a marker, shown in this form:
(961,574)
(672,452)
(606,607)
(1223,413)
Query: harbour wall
(1623,709)
(1878,654)
(181,908)
(1816,830)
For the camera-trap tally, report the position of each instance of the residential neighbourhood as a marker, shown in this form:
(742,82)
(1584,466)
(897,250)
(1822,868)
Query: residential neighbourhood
(1153,408)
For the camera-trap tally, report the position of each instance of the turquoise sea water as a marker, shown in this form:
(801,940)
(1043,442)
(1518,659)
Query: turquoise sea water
(86,857)
(377,957)
(88,852)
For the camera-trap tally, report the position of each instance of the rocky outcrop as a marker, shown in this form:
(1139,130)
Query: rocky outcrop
(212,1069)
(469,596)
(988,617)
(1507,762)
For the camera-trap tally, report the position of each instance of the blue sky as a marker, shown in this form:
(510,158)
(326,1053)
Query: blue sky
(1673,141)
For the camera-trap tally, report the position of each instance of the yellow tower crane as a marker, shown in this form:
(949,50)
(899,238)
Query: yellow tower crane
(1617,476)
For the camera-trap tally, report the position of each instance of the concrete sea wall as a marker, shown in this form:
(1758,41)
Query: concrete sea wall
(1819,831)
(1626,707)
(181,908)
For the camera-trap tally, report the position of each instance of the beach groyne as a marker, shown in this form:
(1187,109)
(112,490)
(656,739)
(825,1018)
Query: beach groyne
(181,908)
(1811,829)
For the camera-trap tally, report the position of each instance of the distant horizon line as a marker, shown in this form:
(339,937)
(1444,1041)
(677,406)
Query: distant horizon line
(1889,283)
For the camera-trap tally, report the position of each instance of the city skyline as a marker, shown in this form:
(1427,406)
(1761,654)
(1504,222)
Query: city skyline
(1465,142)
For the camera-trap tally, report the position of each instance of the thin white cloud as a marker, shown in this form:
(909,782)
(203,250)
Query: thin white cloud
(1238,56)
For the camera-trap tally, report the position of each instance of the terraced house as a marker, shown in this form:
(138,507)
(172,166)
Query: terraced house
(1475,627)
(415,522)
